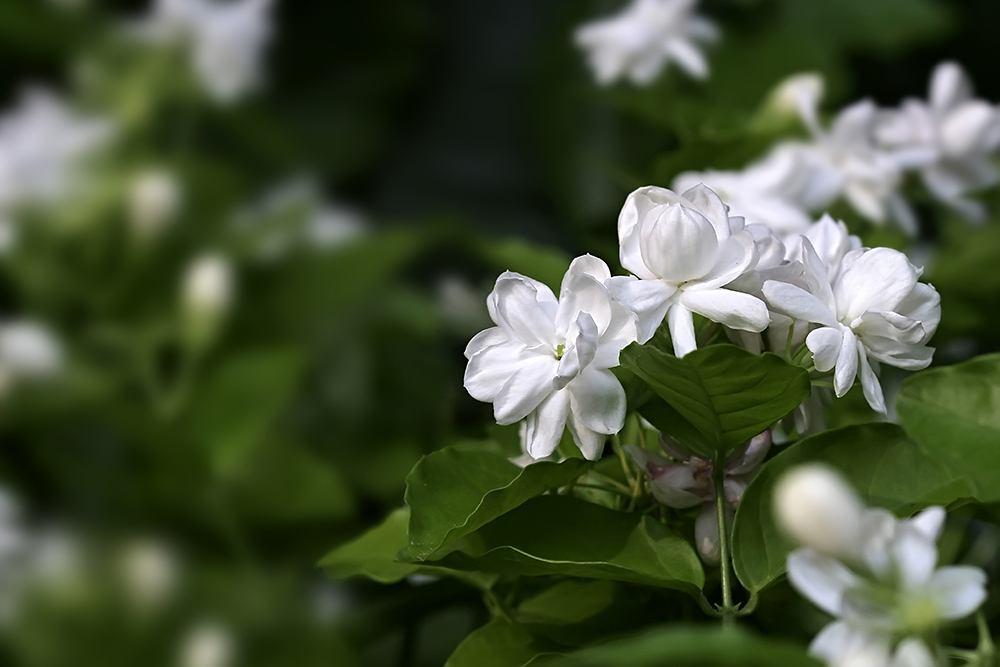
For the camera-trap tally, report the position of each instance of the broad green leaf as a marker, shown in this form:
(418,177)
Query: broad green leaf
(454,491)
(694,646)
(560,535)
(499,643)
(954,413)
(886,467)
(374,555)
(717,397)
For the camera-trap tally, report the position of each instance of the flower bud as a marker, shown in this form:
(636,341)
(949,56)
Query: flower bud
(795,95)
(817,508)
(154,199)
(149,573)
(208,644)
(207,294)
(28,351)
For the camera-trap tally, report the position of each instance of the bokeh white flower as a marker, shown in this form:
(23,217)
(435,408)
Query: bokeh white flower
(637,43)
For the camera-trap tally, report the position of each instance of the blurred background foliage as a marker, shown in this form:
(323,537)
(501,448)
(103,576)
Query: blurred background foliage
(472,140)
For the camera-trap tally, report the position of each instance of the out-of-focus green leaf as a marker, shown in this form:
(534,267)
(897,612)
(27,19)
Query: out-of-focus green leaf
(886,467)
(374,555)
(454,491)
(559,535)
(499,643)
(954,413)
(541,263)
(239,401)
(718,397)
(690,646)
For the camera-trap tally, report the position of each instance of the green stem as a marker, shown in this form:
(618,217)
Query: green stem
(728,609)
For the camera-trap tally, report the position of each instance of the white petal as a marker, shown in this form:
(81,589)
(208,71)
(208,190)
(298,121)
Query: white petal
(710,205)
(525,310)
(484,339)
(914,555)
(912,653)
(923,304)
(590,443)
(706,534)
(969,128)
(688,58)
(582,293)
(544,427)
(797,303)
(949,86)
(638,205)
(649,299)
(958,590)
(587,265)
(869,382)
(597,400)
(842,645)
(529,385)
(821,579)
(847,364)
(735,257)
(929,522)
(732,309)
(825,344)
(681,329)
(879,279)
(580,350)
(679,244)
(489,369)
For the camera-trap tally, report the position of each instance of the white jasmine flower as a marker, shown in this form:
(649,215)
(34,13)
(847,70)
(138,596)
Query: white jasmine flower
(871,309)
(869,177)
(207,294)
(225,39)
(43,143)
(680,479)
(951,138)
(875,574)
(208,644)
(815,506)
(547,360)
(684,250)
(639,42)
(154,199)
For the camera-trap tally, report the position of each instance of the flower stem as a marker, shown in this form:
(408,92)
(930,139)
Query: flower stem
(728,609)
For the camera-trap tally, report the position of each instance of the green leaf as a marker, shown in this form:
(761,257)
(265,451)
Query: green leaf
(886,467)
(717,397)
(499,643)
(454,491)
(240,400)
(694,646)
(560,535)
(954,413)
(374,554)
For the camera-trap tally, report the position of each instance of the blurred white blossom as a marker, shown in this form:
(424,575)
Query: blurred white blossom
(28,352)
(547,360)
(43,143)
(643,38)
(149,572)
(225,40)
(951,138)
(875,574)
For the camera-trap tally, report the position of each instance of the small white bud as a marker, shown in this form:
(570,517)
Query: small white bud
(29,351)
(154,199)
(816,507)
(149,573)
(796,94)
(207,294)
(207,645)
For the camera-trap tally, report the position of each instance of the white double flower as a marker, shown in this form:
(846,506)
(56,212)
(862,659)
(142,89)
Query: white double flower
(870,306)
(547,360)
(683,251)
